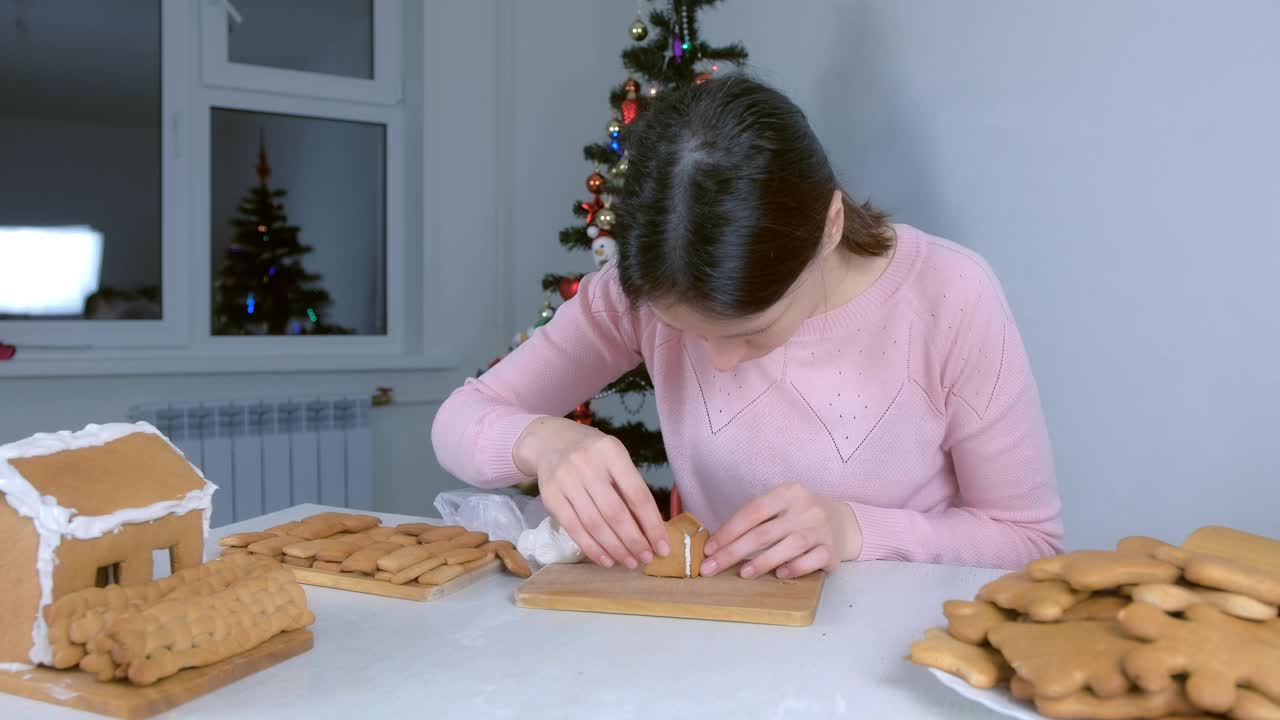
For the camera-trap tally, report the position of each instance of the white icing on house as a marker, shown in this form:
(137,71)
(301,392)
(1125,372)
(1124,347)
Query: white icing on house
(53,522)
(688,556)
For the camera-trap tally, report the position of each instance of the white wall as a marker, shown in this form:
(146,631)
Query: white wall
(1115,161)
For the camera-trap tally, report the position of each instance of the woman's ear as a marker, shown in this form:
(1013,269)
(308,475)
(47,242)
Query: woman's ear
(833,231)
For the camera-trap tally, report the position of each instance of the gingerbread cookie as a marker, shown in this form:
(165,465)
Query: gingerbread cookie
(413,572)
(1021,689)
(1177,598)
(970,621)
(414,529)
(1223,574)
(514,562)
(485,558)
(274,546)
(1043,601)
(1170,702)
(1102,569)
(1215,651)
(1141,545)
(319,528)
(470,539)
(442,532)
(244,539)
(979,666)
(358,523)
(1061,659)
(398,560)
(365,560)
(461,556)
(1097,607)
(441,575)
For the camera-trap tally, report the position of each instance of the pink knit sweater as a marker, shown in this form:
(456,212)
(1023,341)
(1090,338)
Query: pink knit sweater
(914,403)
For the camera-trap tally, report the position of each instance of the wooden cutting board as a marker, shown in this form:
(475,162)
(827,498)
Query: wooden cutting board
(591,588)
(80,690)
(408,591)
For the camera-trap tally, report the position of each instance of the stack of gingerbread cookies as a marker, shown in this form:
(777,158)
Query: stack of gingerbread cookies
(196,617)
(1145,631)
(360,545)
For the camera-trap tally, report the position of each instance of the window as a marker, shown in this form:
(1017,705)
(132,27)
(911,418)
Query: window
(132,209)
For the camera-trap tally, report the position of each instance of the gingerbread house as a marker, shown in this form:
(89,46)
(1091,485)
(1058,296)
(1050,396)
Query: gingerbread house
(89,508)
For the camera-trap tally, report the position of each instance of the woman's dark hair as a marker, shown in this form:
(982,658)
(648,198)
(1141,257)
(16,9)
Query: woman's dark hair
(726,198)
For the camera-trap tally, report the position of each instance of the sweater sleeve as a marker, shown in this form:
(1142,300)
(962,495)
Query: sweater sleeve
(590,342)
(1007,511)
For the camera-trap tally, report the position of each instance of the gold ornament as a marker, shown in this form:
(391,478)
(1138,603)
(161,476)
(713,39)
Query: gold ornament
(639,31)
(605,219)
(618,169)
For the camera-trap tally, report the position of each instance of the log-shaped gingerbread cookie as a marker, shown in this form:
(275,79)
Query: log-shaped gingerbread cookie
(441,532)
(440,575)
(244,539)
(402,558)
(414,529)
(461,556)
(274,546)
(365,560)
(1177,598)
(413,572)
(358,523)
(470,539)
(319,528)
(514,561)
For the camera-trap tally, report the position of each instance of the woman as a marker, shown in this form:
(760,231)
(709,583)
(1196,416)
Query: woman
(830,387)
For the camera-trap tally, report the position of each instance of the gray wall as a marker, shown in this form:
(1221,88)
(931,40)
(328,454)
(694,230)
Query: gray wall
(1114,160)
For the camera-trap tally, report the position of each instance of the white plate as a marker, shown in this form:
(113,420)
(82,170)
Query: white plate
(997,699)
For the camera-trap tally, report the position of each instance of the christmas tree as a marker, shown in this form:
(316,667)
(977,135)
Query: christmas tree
(262,288)
(667,53)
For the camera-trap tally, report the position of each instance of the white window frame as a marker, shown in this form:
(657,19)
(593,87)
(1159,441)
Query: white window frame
(173,328)
(183,342)
(385,87)
(202,292)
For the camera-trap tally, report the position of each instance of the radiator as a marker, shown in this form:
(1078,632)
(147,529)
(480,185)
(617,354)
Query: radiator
(266,455)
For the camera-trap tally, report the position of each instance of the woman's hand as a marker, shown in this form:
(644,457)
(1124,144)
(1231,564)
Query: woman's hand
(589,484)
(791,529)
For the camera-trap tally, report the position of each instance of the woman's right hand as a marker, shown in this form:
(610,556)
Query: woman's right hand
(589,484)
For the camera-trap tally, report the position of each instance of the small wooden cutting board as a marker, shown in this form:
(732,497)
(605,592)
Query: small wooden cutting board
(591,588)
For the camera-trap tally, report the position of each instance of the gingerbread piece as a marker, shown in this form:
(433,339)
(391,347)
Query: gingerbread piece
(326,566)
(379,533)
(398,560)
(470,539)
(442,532)
(402,539)
(339,550)
(461,556)
(514,562)
(413,572)
(383,575)
(979,666)
(1021,689)
(1222,573)
(1251,705)
(1171,701)
(1061,659)
(365,560)
(1141,545)
(298,562)
(1042,601)
(1215,651)
(970,621)
(439,547)
(440,575)
(240,540)
(306,549)
(687,536)
(1097,607)
(1102,569)
(274,546)
(1177,598)
(358,523)
(1175,556)
(319,528)
(414,529)
(284,529)
(233,551)
(496,545)
(486,557)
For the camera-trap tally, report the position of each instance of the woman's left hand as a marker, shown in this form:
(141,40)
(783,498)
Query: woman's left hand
(791,529)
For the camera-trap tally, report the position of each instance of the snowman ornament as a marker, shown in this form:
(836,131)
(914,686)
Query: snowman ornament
(604,249)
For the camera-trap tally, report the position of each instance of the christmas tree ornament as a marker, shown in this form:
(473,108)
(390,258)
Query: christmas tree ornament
(618,169)
(604,249)
(701,78)
(631,86)
(653,89)
(615,128)
(545,315)
(605,218)
(595,182)
(591,208)
(639,31)
(593,231)
(569,286)
(582,414)
(630,106)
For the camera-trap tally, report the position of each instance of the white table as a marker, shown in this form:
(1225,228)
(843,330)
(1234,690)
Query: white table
(476,655)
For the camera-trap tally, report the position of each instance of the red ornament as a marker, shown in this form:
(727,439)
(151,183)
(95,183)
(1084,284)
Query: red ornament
(631,85)
(583,415)
(495,361)
(701,78)
(629,107)
(569,286)
(8,351)
(591,208)
(595,183)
